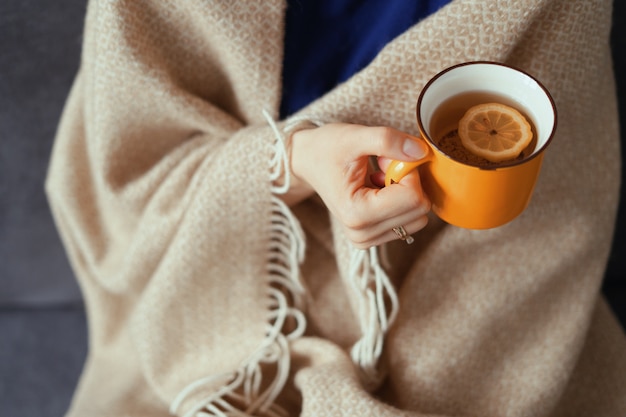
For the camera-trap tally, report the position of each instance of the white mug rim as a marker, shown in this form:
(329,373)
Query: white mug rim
(536,153)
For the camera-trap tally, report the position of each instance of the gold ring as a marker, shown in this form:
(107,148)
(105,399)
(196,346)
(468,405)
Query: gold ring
(403,235)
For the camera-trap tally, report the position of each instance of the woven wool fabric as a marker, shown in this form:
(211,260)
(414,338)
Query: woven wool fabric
(160,183)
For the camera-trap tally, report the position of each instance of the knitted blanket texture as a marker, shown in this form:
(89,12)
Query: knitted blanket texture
(207,296)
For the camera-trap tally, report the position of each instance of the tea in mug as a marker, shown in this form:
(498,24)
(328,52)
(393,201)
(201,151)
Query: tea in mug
(476,118)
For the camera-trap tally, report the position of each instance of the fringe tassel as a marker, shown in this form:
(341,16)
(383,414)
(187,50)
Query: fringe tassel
(243,392)
(378,300)
(378,308)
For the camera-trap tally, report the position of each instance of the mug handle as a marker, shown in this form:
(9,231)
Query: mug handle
(399,169)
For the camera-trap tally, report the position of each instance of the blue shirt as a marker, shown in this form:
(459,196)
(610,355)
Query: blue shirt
(327,41)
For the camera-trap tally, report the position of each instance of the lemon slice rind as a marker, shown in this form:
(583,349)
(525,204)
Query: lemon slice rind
(494,131)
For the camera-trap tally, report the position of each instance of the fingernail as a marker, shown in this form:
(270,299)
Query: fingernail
(413,149)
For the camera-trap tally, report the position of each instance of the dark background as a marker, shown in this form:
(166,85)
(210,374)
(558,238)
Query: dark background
(43,336)
(615,282)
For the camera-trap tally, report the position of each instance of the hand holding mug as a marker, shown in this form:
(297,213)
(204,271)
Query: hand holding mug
(334,161)
(468,191)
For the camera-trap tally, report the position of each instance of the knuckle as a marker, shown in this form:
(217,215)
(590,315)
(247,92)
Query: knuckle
(425,221)
(424,204)
(353,217)
(419,202)
(422,223)
(352,221)
(384,137)
(359,240)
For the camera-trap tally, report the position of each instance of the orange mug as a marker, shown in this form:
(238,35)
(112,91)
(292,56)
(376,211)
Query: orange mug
(471,196)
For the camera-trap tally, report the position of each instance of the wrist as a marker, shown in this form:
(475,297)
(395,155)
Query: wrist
(299,188)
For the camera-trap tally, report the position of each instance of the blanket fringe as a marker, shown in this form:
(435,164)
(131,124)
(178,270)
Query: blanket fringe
(378,308)
(244,392)
(378,300)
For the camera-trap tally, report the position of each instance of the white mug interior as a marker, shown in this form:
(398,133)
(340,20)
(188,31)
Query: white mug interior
(494,78)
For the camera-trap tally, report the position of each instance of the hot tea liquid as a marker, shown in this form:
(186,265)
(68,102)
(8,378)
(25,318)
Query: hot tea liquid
(445,122)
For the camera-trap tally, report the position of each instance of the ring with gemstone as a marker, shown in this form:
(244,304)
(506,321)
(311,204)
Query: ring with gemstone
(403,235)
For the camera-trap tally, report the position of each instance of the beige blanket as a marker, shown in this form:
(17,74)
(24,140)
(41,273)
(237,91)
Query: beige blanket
(208,296)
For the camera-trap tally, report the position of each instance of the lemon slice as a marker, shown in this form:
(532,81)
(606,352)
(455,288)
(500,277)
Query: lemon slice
(495,132)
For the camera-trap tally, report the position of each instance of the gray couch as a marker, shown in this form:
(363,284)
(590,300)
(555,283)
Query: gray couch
(43,335)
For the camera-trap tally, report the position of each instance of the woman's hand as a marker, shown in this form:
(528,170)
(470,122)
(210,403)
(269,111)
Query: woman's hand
(333,160)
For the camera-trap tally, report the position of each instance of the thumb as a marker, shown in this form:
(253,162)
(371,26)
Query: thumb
(390,143)
(412,148)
